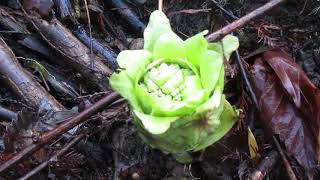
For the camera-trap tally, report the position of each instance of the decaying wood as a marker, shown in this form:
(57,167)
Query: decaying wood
(265,166)
(78,55)
(31,41)
(61,129)
(22,83)
(108,54)
(7,115)
(9,23)
(235,25)
(127,14)
(35,43)
(65,9)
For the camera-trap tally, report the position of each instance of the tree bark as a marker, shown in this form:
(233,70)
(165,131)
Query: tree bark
(22,83)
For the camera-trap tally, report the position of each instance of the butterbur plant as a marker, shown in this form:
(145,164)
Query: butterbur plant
(175,88)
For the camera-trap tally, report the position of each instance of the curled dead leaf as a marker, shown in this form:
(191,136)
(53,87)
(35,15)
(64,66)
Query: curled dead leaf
(304,94)
(288,105)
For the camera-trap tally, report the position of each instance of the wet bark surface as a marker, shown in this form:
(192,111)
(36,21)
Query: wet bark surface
(22,83)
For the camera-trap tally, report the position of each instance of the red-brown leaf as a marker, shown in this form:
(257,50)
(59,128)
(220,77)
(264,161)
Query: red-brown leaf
(305,95)
(43,6)
(280,115)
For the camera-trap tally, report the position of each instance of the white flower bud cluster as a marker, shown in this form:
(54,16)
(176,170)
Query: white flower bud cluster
(166,80)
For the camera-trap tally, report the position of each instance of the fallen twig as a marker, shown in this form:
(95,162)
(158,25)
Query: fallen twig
(37,44)
(226,12)
(266,165)
(78,55)
(22,83)
(65,10)
(127,14)
(255,101)
(47,76)
(109,56)
(61,129)
(7,22)
(90,34)
(242,21)
(160,5)
(53,158)
(290,172)
(7,115)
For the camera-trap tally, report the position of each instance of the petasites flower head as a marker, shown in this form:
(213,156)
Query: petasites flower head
(175,88)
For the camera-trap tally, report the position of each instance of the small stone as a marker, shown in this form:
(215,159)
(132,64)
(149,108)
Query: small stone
(135,176)
(136,44)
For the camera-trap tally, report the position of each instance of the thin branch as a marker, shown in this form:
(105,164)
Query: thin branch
(7,115)
(246,79)
(255,102)
(160,5)
(76,53)
(65,9)
(230,14)
(107,53)
(290,172)
(21,82)
(265,165)
(125,11)
(90,34)
(61,129)
(53,158)
(242,21)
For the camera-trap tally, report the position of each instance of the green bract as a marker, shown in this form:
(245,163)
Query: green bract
(175,88)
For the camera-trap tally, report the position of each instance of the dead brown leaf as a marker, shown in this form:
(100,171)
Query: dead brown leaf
(285,95)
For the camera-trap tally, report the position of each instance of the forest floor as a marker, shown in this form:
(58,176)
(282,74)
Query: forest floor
(109,147)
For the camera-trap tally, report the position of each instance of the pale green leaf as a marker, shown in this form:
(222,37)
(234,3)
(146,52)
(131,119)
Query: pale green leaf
(226,46)
(210,66)
(230,43)
(134,61)
(153,124)
(216,46)
(158,24)
(225,122)
(121,83)
(212,104)
(195,47)
(169,45)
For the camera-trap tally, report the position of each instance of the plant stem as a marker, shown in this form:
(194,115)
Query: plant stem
(160,7)
(90,34)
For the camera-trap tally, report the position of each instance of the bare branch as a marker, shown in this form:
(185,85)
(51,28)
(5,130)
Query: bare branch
(61,129)
(242,21)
